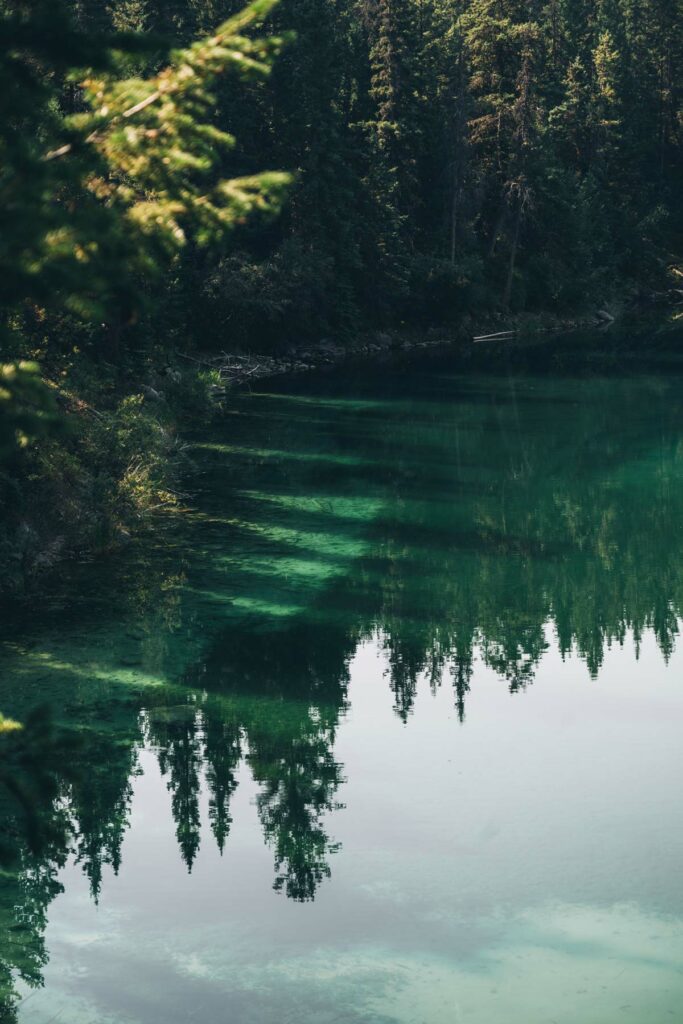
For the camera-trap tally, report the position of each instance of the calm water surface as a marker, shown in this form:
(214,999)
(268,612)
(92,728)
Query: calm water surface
(387,731)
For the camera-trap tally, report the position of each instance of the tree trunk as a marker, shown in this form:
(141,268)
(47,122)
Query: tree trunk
(513,255)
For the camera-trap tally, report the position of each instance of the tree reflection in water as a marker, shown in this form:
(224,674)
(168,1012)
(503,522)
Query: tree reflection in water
(462,521)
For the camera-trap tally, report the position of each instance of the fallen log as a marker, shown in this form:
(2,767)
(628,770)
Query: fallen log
(492,337)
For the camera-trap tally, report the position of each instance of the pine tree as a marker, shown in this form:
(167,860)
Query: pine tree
(93,204)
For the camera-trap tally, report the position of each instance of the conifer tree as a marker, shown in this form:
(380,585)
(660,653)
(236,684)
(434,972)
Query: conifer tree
(94,203)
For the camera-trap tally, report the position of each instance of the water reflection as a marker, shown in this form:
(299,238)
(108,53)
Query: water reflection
(452,521)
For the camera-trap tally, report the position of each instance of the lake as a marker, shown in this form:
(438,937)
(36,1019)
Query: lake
(385,729)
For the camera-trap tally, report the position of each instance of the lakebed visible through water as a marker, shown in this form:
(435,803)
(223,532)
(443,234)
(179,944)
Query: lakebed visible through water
(387,730)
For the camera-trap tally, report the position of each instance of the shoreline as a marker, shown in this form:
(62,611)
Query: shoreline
(238,369)
(42,539)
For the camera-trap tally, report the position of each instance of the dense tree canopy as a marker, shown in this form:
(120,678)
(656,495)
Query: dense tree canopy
(457,157)
(449,157)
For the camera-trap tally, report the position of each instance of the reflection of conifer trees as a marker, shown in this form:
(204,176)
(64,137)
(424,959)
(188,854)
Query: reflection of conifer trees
(299,777)
(461,671)
(25,896)
(561,529)
(285,690)
(36,766)
(100,802)
(222,754)
(407,659)
(515,656)
(177,735)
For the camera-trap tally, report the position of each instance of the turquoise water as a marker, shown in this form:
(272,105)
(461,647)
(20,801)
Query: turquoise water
(386,730)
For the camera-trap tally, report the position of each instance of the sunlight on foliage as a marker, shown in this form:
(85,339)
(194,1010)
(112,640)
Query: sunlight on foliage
(27,406)
(94,203)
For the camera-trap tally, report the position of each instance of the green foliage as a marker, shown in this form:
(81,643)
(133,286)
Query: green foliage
(99,482)
(160,149)
(27,407)
(108,168)
(93,203)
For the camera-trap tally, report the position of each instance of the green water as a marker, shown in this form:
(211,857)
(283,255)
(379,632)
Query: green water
(386,731)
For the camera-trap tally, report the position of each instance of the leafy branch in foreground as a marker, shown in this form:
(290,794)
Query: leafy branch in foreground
(95,203)
(27,407)
(155,137)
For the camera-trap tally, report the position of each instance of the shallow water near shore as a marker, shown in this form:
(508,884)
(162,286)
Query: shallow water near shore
(387,730)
